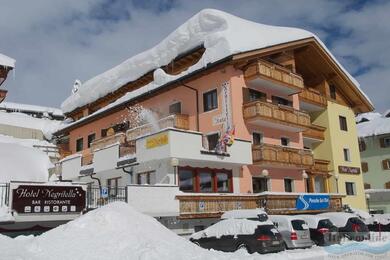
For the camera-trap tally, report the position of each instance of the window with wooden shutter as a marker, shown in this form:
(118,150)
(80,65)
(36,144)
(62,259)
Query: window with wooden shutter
(385,164)
(382,142)
(367,186)
(362,145)
(364,167)
(387,185)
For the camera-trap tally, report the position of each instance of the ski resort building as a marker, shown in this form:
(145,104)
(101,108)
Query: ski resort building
(6,65)
(222,114)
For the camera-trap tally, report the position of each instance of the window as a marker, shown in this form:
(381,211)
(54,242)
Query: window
(256,95)
(350,188)
(362,145)
(384,142)
(144,178)
(332,89)
(288,185)
(210,100)
(284,141)
(91,138)
(387,185)
(175,108)
(364,167)
(259,185)
(347,156)
(257,138)
(367,186)
(205,180)
(281,101)
(103,132)
(112,185)
(79,144)
(319,184)
(343,123)
(386,164)
(212,141)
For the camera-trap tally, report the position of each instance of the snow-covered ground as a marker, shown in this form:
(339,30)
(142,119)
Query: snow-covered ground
(117,231)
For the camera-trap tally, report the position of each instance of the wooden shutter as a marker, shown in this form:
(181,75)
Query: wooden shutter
(385,164)
(367,186)
(364,167)
(387,185)
(245,94)
(382,142)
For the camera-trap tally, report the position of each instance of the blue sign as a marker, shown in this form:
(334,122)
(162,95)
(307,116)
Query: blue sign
(104,192)
(312,202)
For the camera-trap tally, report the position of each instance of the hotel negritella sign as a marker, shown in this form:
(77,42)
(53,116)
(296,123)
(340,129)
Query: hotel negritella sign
(349,170)
(47,199)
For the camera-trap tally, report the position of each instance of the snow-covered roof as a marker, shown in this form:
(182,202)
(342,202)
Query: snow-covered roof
(339,219)
(243,213)
(221,34)
(17,107)
(312,220)
(231,227)
(376,126)
(7,61)
(367,116)
(45,125)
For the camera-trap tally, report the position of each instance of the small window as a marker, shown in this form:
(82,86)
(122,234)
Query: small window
(367,186)
(386,164)
(112,185)
(284,141)
(259,184)
(212,141)
(343,123)
(79,144)
(385,142)
(256,95)
(281,101)
(143,178)
(364,167)
(175,108)
(91,138)
(210,100)
(103,132)
(350,188)
(332,89)
(362,145)
(288,185)
(257,138)
(347,156)
(186,180)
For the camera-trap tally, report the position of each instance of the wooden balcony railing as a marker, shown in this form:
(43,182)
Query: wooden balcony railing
(320,166)
(3,94)
(259,110)
(315,132)
(127,148)
(268,154)
(108,140)
(176,121)
(213,205)
(87,157)
(313,96)
(273,72)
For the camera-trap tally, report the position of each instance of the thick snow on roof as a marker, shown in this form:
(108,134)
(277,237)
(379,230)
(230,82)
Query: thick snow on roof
(7,61)
(376,126)
(367,116)
(339,219)
(312,220)
(222,35)
(243,213)
(47,126)
(17,107)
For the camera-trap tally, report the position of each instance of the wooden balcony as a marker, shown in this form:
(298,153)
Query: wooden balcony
(312,100)
(3,94)
(214,205)
(267,75)
(275,116)
(315,133)
(108,140)
(175,121)
(87,157)
(280,156)
(320,167)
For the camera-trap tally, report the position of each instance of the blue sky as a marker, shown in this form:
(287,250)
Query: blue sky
(56,42)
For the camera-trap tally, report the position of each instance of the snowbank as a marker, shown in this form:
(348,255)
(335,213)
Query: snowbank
(7,61)
(45,125)
(221,34)
(17,107)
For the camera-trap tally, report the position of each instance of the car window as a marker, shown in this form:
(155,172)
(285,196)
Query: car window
(267,230)
(298,224)
(325,223)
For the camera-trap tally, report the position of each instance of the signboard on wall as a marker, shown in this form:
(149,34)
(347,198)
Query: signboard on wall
(312,202)
(350,170)
(226,107)
(156,141)
(30,198)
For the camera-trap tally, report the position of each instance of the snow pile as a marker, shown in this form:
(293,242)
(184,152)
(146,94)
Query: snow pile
(221,34)
(17,107)
(5,215)
(376,126)
(243,213)
(231,227)
(7,61)
(45,125)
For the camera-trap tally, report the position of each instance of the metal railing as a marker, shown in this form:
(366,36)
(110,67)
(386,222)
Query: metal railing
(96,199)
(4,194)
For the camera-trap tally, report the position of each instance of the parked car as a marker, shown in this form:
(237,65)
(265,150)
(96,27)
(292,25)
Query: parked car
(349,225)
(231,234)
(379,223)
(251,214)
(294,230)
(322,231)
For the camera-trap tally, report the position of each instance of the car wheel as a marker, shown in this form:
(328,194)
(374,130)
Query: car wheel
(243,247)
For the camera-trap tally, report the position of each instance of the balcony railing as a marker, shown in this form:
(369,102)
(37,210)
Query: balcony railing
(312,96)
(320,166)
(87,157)
(175,121)
(273,72)
(213,205)
(268,154)
(3,94)
(265,111)
(108,140)
(315,132)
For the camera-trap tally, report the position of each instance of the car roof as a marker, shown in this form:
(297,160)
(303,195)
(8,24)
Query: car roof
(312,220)
(339,219)
(242,213)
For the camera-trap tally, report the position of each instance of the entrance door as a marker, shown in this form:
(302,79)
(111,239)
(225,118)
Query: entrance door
(259,184)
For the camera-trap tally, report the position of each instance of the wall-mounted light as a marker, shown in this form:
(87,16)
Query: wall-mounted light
(304,174)
(264,173)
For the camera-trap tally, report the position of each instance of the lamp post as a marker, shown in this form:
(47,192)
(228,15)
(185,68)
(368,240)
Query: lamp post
(175,164)
(368,201)
(305,177)
(336,176)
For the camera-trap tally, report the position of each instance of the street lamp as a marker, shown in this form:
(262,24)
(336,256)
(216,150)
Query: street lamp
(336,176)
(264,173)
(368,201)
(175,164)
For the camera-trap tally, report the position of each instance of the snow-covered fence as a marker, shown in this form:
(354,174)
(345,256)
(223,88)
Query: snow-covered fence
(4,194)
(99,196)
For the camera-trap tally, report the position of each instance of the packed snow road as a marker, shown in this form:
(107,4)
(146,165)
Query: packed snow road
(117,231)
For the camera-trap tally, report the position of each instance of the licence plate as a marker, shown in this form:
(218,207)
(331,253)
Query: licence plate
(275,242)
(305,236)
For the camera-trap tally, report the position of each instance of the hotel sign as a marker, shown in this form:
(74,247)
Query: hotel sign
(156,141)
(47,199)
(350,170)
(313,202)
